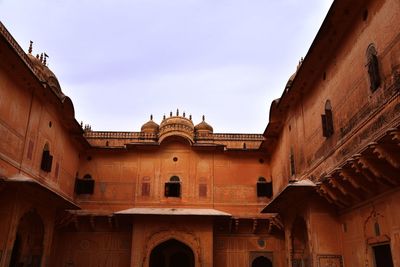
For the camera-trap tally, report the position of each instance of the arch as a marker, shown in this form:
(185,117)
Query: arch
(176,136)
(299,242)
(171,253)
(174,179)
(28,243)
(87,176)
(184,236)
(261,261)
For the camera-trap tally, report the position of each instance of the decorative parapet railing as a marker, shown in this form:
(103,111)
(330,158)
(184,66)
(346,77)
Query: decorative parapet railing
(238,137)
(119,135)
(140,135)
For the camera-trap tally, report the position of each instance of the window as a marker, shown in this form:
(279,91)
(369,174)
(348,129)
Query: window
(47,159)
(264,188)
(202,190)
(291,160)
(373,68)
(173,187)
(145,187)
(84,185)
(327,120)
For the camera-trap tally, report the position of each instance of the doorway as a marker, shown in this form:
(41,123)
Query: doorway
(383,255)
(28,243)
(172,253)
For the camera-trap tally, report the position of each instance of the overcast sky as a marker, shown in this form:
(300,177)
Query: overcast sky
(120,61)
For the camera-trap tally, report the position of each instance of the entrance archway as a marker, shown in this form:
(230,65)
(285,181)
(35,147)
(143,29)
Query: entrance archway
(261,262)
(172,253)
(28,244)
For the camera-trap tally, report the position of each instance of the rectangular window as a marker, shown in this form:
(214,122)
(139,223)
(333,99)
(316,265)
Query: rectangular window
(84,186)
(292,165)
(264,189)
(202,190)
(145,189)
(172,189)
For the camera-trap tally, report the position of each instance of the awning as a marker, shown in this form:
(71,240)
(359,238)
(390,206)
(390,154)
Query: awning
(172,211)
(290,195)
(27,182)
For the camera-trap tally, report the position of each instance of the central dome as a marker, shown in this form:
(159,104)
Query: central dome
(177,126)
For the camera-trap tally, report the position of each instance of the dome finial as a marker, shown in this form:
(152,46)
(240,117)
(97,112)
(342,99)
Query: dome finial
(151,117)
(45,59)
(30,47)
(170,113)
(204,118)
(163,117)
(177,112)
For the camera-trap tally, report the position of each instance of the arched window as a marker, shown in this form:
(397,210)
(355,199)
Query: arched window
(84,185)
(327,120)
(173,187)
(47,159)
(373,68)
(264,188)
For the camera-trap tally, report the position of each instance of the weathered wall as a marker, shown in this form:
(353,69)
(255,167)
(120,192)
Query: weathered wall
(373,223)
(93,241)
(230,178)
(345,82)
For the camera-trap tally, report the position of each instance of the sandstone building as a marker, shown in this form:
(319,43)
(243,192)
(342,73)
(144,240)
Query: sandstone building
(320,187)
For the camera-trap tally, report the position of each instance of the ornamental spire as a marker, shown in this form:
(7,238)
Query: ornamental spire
(30,47)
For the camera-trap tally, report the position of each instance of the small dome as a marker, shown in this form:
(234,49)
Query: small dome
(150,126)
(46,75)
(203,127)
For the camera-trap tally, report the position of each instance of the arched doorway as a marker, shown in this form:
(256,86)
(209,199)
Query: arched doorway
(28,244)
(172,253)
(261,262)
(299,241)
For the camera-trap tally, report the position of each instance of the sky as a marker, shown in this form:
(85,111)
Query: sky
(122,60)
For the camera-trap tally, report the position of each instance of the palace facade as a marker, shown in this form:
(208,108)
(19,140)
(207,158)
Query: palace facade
(320,186)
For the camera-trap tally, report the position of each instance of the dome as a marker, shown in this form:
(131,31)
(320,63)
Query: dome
(45,74)
(203,127)
(177,126)
(150,126)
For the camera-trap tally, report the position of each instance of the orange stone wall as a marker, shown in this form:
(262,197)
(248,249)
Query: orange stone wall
(230,178)
(340,75)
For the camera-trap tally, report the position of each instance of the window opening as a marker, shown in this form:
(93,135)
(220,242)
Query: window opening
(84,185)
(264,188)
(173,187)
(373,68)
(292,164)
(47,159)
(327,120)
